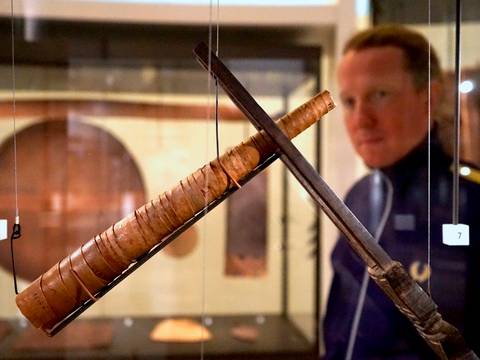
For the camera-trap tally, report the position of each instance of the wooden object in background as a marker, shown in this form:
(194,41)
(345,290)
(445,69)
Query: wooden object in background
(180,331)
(74,180)
(81,106)
(184,245)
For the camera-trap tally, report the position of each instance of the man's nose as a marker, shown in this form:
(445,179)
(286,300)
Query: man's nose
(363,115)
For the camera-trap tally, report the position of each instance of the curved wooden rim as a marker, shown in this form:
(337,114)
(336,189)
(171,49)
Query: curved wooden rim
(54,109)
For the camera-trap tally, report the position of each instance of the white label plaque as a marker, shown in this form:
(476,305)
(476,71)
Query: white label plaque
(3,229)
(456,235)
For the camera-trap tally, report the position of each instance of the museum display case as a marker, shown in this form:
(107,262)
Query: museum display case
(106,121)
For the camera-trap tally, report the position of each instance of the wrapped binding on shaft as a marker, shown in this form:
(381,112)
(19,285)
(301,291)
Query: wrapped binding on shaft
(64,287)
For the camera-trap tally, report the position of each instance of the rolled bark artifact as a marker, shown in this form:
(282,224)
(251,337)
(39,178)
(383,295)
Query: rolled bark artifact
(79,276)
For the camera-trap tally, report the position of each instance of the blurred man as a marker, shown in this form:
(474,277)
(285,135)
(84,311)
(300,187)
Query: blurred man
(389,84)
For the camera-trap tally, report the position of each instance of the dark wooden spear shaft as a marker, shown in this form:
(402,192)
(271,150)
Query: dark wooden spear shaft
(390,275)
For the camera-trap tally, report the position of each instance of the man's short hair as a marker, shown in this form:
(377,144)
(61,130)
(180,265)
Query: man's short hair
(414,45)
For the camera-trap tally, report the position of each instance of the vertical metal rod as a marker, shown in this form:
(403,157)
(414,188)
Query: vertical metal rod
(318,229)
(285,227)
(285,247)
(429,152)
(456,142)
(16,232)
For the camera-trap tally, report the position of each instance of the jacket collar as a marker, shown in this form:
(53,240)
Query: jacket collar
(409,166)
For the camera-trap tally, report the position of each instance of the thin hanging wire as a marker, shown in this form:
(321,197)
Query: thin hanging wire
(12,32)
(217,126)
(16,232)
(204,252)
(456,142)
(209,86)
(429,155)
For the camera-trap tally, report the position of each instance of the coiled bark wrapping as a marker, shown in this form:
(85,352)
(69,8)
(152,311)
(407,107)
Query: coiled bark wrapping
(64,287)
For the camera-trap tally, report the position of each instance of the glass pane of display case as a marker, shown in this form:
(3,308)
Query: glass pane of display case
(410,202)
(107,118)
(110,153)
(441,33)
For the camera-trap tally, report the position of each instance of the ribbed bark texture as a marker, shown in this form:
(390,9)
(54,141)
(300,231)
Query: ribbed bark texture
(64,287)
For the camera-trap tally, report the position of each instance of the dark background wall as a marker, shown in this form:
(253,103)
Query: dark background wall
(416,11)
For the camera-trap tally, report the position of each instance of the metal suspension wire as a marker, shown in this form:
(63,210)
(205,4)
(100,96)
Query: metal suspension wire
(217,51)
(429,154)
(16,230)
(456,142)
(217,145)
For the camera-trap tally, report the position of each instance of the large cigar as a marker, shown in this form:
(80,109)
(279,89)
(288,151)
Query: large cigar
(64,287)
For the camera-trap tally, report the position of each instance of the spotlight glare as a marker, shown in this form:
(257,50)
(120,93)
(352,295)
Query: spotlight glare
(465,171)
(466,86)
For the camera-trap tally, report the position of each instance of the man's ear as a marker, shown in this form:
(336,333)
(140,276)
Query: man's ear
(436,95)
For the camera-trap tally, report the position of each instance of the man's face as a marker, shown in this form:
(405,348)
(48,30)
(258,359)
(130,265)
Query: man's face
(385,115)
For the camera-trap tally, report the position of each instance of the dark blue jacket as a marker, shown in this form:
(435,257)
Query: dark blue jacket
(384,333)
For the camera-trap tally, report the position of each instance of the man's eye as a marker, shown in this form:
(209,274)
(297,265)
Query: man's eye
(348,102)
(379,94)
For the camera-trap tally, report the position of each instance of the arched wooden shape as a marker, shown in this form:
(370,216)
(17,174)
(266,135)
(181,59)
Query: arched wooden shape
(74,180)
(184,245)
